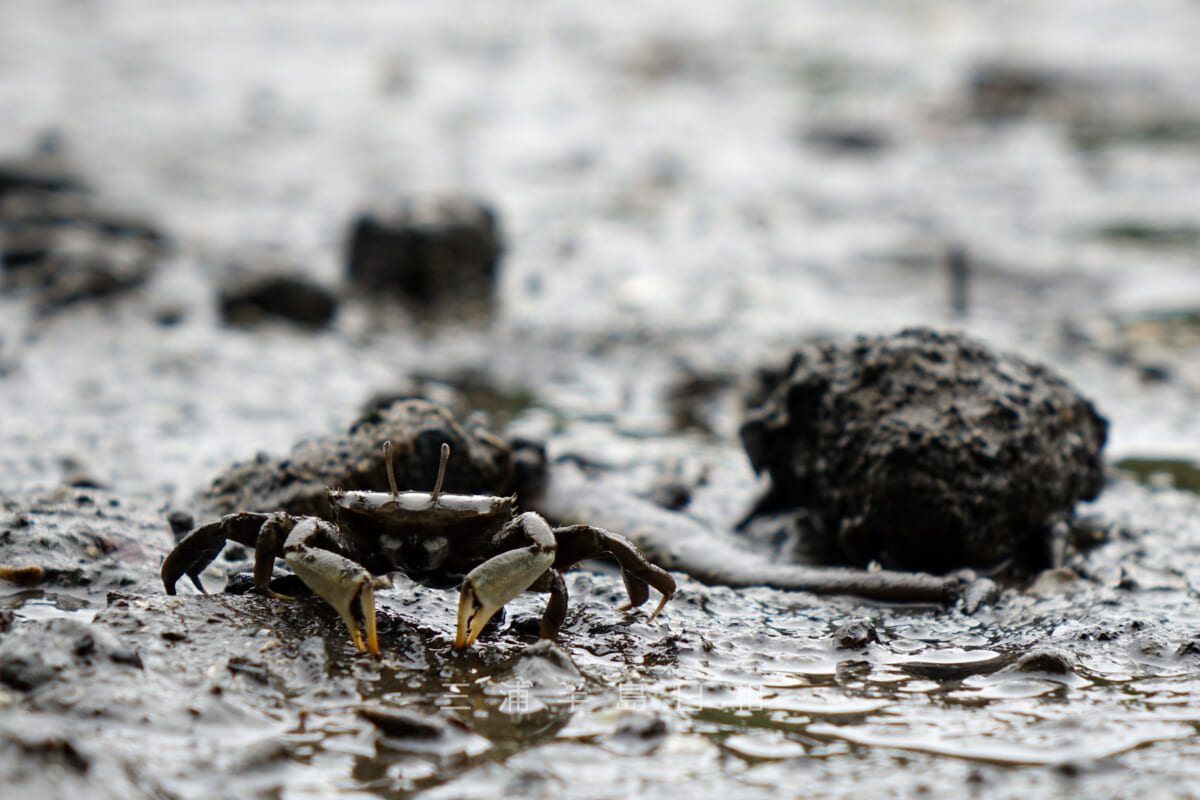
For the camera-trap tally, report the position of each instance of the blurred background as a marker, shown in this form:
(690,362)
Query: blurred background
(691,190)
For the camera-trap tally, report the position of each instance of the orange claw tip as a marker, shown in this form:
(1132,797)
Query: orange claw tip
(473,614)
(464,636)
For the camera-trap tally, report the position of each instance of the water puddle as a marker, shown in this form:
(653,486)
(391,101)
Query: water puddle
(37,605)
(1043,743)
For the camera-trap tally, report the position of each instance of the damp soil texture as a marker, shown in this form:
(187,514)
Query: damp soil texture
(677,198)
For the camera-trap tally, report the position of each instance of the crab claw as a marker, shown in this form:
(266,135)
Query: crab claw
(493,583)
(342,583)
(473,613)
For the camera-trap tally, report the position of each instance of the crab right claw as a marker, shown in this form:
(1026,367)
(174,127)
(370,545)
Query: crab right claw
(342,583)
(488,587)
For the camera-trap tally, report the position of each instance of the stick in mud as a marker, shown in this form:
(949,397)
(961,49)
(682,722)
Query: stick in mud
(679,542)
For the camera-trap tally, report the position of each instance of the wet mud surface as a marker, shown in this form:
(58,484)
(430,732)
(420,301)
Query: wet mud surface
(680,201)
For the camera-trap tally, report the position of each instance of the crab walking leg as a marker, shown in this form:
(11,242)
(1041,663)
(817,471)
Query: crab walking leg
(493,583)
(577,542)
(271,536)
(339,581)
(556,608)
(198,549)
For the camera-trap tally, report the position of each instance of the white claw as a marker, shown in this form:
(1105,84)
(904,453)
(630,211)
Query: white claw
(338,581)
(493,583)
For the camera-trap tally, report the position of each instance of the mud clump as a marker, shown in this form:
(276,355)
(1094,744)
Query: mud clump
(925,450)
(1000,91)
(255,296)
(299,483)
(430,254)
(855,634)
(61,244)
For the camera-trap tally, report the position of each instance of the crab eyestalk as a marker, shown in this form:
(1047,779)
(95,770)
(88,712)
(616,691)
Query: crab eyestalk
(391,468)
(441,476)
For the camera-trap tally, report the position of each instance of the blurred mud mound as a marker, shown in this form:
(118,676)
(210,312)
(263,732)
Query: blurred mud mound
(925,450)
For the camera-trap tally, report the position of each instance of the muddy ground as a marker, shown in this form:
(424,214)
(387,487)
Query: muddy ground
(684,195)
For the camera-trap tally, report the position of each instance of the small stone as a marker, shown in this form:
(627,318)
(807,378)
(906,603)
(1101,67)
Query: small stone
(640,725)
(24,672)
(980,592)
(672,495)
(1002,91)
(855,634)
(1045,661)
(848,138)
(404,724)
(250,299)
(181,524)
(85,645)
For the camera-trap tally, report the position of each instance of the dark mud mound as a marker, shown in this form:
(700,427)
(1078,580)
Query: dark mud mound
(61,244)
(480,463)
(924,450)
(430,253)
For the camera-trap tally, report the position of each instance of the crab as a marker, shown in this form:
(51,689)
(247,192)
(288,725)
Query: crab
(439,540)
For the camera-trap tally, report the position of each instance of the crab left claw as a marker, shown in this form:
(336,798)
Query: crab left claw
(488,587)
(342,583)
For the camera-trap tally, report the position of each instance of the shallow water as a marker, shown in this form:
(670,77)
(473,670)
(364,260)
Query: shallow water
(670,206)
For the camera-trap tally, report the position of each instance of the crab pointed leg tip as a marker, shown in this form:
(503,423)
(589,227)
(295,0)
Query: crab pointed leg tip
(661,603)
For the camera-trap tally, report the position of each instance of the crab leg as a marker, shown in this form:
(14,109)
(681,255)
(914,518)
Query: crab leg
(577,542)
(342,583)
(556,609)
(498,580)
(271,537)
(198,549)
